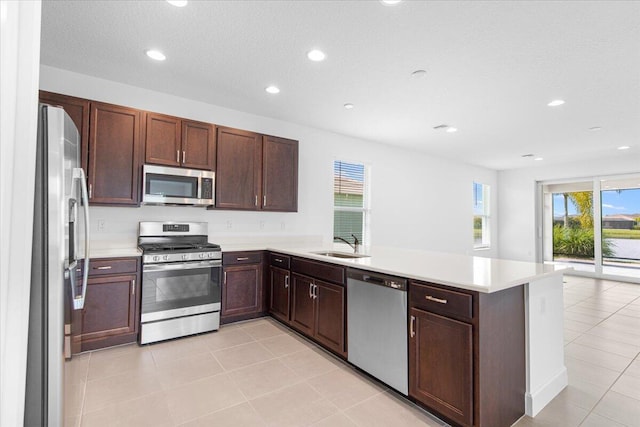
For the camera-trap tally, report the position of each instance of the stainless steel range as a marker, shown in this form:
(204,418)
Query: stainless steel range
(181,276)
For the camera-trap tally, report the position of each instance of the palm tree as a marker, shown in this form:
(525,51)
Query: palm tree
(583,201)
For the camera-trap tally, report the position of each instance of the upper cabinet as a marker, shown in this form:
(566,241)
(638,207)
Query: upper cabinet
(256,172)
(172,141)
(114,146)
(279,174)
(238,170)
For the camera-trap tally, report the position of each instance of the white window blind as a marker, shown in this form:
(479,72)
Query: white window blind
(481,232)
(351,210)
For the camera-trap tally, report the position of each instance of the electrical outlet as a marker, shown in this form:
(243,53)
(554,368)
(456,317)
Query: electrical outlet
(261,224)
(282,226)
(101,225)
(229,225)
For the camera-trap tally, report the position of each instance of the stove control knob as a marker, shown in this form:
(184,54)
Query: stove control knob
(185,256)
(202,255)
(165,257)
(210,254)
(156,257)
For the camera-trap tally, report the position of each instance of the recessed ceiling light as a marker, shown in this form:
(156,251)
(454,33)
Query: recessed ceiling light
(451,130)
(177,3)
(538,159)
(390,2)
(316,55)
(623,147)
(555,103)
(156,54)
(595,128)
(349,106)
(419,74)
(272,89)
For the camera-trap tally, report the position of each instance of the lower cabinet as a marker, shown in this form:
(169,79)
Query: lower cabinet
(111,314)
(279,301)
(441,364)
(242,286)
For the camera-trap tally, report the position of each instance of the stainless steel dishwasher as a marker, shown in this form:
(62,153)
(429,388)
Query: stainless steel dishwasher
(377,326)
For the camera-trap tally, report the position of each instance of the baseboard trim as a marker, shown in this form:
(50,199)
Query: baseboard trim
(535,401)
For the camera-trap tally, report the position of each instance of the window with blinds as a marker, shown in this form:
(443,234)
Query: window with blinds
(481,216)
(350,201)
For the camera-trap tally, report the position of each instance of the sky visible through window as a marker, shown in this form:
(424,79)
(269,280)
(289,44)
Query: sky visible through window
(622,202)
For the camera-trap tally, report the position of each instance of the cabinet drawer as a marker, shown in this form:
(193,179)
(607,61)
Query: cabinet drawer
(100,267)
(278,260)
(232,258)
(442,301)
(318,270)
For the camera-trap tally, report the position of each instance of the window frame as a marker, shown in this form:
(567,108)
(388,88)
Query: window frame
(485,216)
(366,200)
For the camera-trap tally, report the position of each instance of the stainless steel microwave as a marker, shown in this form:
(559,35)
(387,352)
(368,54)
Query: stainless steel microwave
(163,185)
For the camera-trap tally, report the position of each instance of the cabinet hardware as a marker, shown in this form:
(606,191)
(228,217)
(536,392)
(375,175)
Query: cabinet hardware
(225,278)
(256,201)
(133,287)
(434,299)
(264,200)
(177,156)
(277,260)
(104,267)
(242,258)
(315,291)
(184,157)
(412,331)
(286,281)
(90,191)
(310,290)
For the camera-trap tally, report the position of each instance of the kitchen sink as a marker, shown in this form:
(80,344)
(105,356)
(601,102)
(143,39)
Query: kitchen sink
(341,255)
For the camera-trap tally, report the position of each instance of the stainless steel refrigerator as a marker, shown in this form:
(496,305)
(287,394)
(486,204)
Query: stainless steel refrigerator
(58,271)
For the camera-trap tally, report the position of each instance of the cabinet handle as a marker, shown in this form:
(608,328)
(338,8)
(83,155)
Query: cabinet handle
(90,191)
(224,281)
(286,282)
(277,260)
(315,291)
(256,201)
(264,200)
(104,267)
(133,287)
(434,299)
(177,156)
(412,331)
(184,157)
(242,258)
(310,290)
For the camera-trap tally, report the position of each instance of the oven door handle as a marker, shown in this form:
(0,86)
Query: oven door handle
(181,266)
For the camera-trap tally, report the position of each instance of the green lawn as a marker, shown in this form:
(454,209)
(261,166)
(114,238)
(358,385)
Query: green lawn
(621,234)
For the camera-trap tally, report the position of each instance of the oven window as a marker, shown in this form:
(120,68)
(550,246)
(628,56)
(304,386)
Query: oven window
(171,289)
(172,186)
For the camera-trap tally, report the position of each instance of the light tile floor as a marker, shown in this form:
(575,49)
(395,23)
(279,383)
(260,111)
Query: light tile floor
(259,373)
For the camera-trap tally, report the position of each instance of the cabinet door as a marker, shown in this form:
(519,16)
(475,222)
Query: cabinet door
(441,365)
(109,309)
(330,315)
(238,169)
(78,110)
(279,295)
(198,145)
(279,174)
(242,290)
(302,304)
(114,145)
(162,140)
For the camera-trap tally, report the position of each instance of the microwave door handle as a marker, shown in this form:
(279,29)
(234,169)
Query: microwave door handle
(78,300)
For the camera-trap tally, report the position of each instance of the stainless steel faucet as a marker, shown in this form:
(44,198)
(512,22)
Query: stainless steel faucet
(355,245)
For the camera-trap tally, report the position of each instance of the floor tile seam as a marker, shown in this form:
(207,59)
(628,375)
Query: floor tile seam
(603,351)
(299,380)
(239,345)
(604,416)
(132,370)
(228,371)
(210,348)
(118,402)
(595,367)
(610,352)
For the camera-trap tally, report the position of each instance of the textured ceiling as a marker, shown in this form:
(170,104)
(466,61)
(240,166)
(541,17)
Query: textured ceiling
(492,67)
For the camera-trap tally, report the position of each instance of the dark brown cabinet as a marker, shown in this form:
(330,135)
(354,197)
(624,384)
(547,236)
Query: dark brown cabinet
(279,287)
(256,172)
(466,353)
(78,110)
(238,169)
(242,286)
(114,147)
(279,174)
(111,314)
(318,307)
(172,141)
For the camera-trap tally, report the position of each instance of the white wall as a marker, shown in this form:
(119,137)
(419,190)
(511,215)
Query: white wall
(517,204)
(19,58)
(417,201)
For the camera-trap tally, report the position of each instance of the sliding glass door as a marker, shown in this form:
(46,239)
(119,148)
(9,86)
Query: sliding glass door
(593,225)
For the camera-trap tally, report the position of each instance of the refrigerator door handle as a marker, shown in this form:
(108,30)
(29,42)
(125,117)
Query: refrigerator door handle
(78,300)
